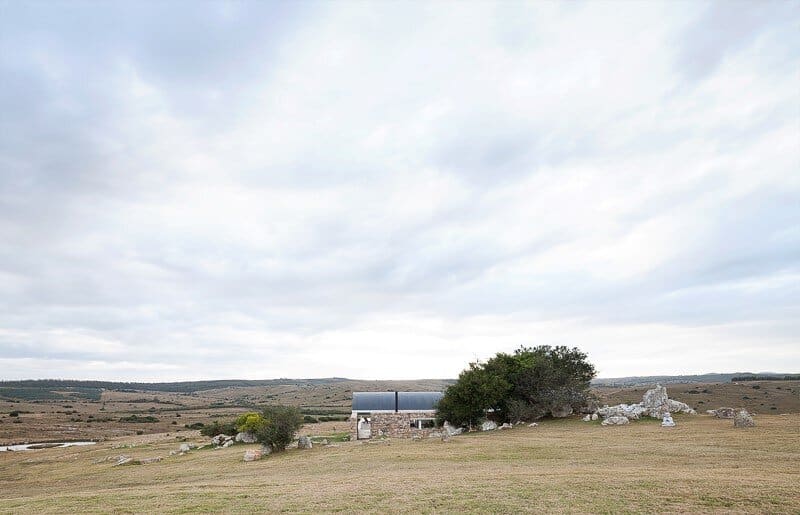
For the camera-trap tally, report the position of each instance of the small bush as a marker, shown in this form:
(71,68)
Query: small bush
(280,423)
(14,414)
(308,419)
(139,420)
(217,428)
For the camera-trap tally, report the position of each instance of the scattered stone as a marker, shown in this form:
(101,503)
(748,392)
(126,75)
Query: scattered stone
(488,426)
(722,412)
(184,447)
(324,441)
(435,434)
(595,416)
(146,461)
(616,420)
(561,411)
(252,455)
(220,439)
(743,419)
(533,424)
(266,450)
(452,430)
(123,460)
(227,444)
(667,421)
(506,426)
(246,437)
(304,442)
(445,437)
(587,418)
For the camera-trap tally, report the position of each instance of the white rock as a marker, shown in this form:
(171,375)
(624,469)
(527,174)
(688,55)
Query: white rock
(246,437)
(587,418)
(252,455)
(304,442)
(506,426)
(184,447)
(594,416)
(533,424)
(488,426)
(451,429)
(227,443)
(615,420)
(667,421)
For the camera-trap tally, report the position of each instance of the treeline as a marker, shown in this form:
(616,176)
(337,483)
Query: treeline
(174,387)
(738,379)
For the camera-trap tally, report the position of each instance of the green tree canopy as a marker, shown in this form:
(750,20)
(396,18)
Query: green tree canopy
(525,385)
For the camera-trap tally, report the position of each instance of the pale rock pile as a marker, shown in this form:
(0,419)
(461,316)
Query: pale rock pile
(655,403)
(221,441)
(488,426)
(722,412)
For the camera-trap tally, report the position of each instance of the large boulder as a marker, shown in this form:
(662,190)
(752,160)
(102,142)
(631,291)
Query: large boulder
(743,419)
(561,411)
(184,447)
(304,442)
(246,437)
(615,421)
(680,407)
(488,426)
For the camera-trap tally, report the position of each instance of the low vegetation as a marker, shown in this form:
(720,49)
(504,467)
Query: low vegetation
(526,385)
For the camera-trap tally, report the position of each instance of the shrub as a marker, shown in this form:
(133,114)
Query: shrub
(280,423)
(525,385)
(217,428)
(308,419)
(139,420)
(14,414)
(249,422)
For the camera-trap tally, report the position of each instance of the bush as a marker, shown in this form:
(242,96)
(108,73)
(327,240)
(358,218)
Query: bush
(217,428)
(526,385)
(139,420)
(308,419)
(278,427)
(249,422)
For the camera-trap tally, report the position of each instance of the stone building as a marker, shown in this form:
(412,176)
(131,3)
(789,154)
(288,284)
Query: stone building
(395,414)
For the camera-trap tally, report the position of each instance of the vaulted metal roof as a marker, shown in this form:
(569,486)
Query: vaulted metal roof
(395,401)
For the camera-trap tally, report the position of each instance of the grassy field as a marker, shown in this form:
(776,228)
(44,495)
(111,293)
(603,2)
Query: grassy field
(703,465)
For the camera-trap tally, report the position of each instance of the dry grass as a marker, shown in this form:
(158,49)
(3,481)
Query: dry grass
(703,465)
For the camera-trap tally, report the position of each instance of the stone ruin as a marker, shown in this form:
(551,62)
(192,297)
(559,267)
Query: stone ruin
(655,404)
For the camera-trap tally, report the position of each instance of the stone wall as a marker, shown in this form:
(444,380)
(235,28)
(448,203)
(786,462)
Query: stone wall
(395,425)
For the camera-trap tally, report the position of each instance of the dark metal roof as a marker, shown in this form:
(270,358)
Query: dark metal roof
(418,400)
(386,401)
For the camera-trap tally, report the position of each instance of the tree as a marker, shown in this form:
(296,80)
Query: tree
(526,385)
(277,426)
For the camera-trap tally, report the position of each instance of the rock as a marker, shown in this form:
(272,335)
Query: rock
(227,444)
(488,426)
(304,442)
(587,418)
(595,416)
(435,434)
(252,455)
(533,424)
(266,450)
(452,430)
(184,447)
(615,420)
(667,421)
(722,412)
(680,407)
(245,437)
(146,461)
(324,441)
(445,437)
(743,419)
(561,411)
(220,439)
(506,426)
(629,411)
(123,460)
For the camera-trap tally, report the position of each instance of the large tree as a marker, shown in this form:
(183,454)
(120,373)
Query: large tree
(527,385)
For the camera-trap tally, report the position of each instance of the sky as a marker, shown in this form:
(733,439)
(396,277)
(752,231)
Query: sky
(375,190)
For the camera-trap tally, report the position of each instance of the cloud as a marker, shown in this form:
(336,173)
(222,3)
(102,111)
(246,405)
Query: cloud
(311,189)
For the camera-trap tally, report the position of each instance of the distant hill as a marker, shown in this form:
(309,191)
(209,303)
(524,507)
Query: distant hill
(701,378)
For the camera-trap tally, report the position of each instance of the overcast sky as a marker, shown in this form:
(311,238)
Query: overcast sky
(195,190)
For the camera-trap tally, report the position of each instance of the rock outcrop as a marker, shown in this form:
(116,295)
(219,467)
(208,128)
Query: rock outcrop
(655,403)
(743,419)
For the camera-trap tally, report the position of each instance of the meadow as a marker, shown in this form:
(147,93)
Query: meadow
(562,466)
